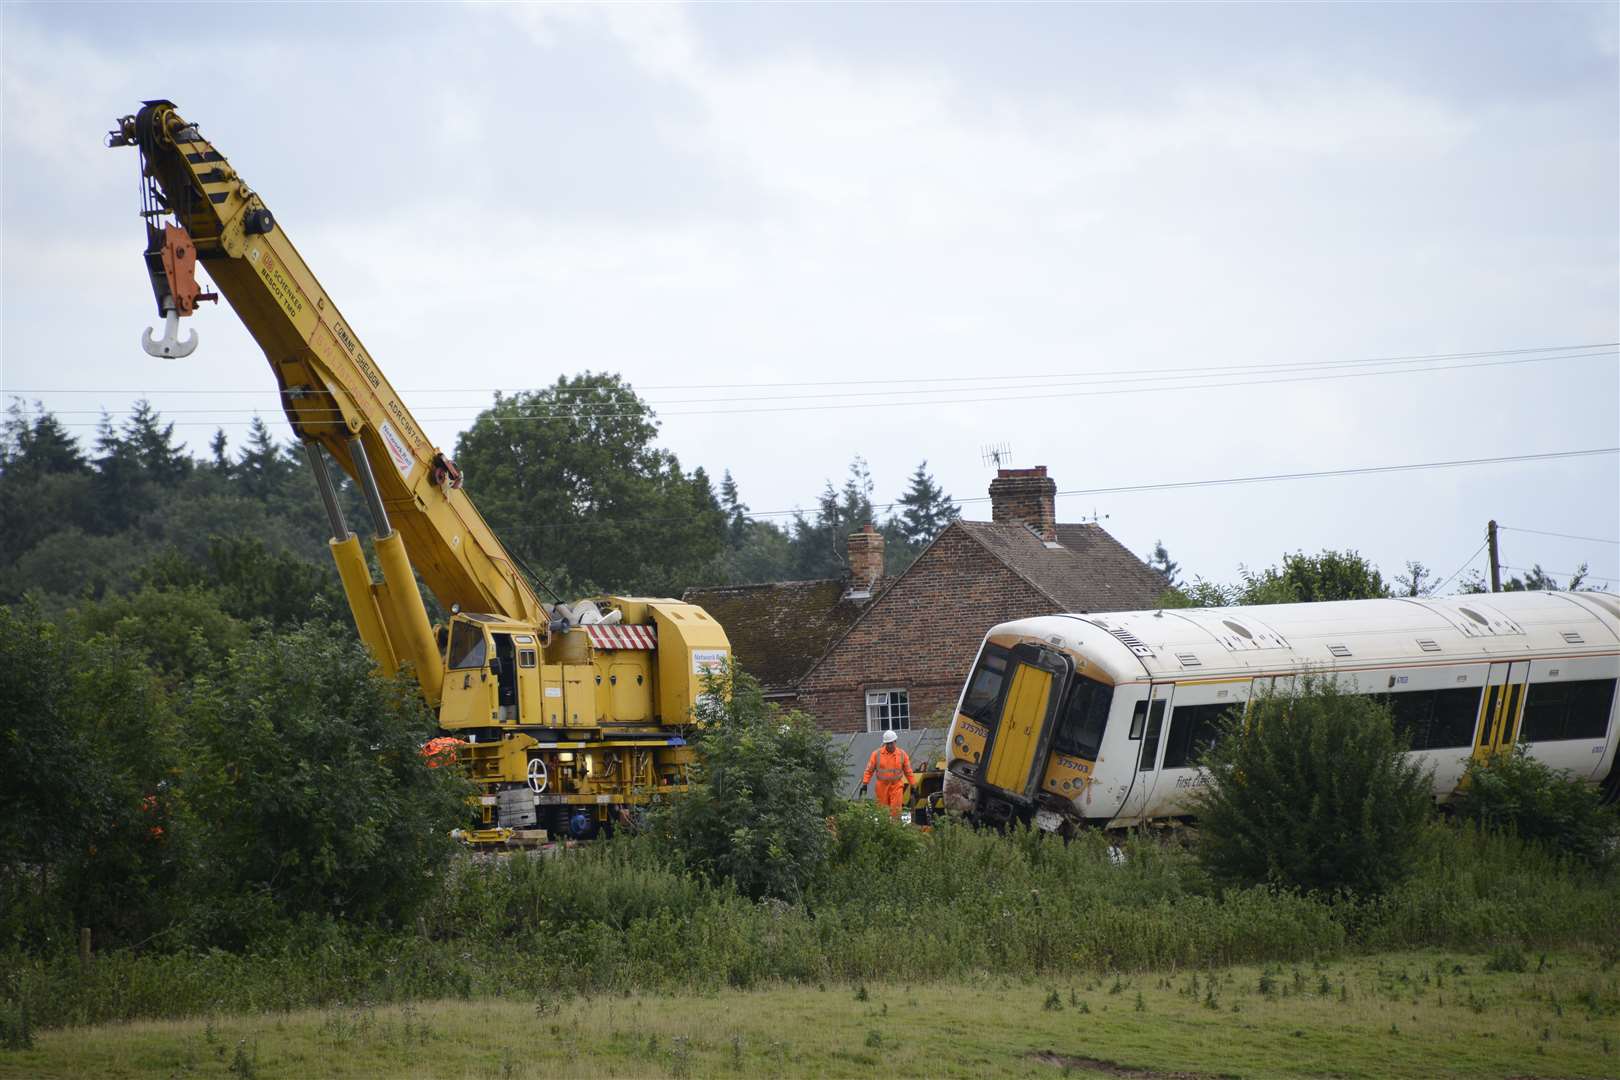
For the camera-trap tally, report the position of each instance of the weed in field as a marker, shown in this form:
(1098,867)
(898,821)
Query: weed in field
(243,1064)
(861,994)
(1507,958)
(16,1033)
(1141,1005)
(1054,1002)
(680,1056)
(874,1038)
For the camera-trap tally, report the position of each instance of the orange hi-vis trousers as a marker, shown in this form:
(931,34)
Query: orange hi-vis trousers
(892,768)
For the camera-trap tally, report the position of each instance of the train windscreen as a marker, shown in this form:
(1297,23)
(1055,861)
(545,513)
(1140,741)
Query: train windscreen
(983,695)
(1085,714)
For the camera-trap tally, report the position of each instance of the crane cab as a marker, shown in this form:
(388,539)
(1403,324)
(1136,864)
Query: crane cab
(492,675)
(638,673)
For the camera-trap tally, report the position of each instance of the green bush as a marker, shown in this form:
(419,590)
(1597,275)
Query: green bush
(1516,792)
(1312,791)
(87,832)
(308,790)
(764,783)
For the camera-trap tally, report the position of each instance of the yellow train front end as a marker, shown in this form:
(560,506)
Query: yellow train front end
(1028,730)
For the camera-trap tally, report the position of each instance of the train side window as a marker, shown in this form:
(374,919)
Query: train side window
(1193,730)
(1434,719)
(1085,714)
(1455,712)
(1150,740)
(1567,710)
(1138,719)
(984,689)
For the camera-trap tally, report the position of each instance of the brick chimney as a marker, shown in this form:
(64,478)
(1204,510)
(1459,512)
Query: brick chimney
(1025,497)
(865,557)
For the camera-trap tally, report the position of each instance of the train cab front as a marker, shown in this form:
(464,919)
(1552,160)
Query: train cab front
(1026,736)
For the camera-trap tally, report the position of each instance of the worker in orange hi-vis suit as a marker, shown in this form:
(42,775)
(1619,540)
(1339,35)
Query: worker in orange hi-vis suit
(892,767)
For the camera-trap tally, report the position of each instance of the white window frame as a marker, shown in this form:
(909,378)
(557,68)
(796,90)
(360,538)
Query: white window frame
(885,713)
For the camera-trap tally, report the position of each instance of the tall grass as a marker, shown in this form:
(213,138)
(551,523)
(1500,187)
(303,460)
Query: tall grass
(893,904)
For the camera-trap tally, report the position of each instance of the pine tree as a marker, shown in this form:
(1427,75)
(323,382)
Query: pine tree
(855,503)
(735,509)
(820,547)
(1160,560)
(152,444)
(37,447)
(927,509)
(221,460)
(262,467)
(119,484)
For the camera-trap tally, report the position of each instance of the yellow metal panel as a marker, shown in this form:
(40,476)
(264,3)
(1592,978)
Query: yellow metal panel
(631,688)
(529,699)
(551,694)
(689,643)
(468,699)
(579,695)
(1020,729)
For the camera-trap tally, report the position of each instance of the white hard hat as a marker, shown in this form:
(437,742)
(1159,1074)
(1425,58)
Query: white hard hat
(889,736)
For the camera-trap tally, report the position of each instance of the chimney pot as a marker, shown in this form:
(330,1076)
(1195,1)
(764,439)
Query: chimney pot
(1025,497)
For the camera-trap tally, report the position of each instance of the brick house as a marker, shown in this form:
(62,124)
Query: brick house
(779,630)
(900,659)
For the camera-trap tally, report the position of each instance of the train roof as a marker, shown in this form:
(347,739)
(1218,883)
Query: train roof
(1344,634)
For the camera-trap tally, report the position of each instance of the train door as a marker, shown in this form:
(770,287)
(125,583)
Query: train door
(1500,708)
(1147,731)
(1017,752)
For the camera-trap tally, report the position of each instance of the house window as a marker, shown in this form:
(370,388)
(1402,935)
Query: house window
(886,709)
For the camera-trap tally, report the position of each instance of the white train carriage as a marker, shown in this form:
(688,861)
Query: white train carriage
(1071,719)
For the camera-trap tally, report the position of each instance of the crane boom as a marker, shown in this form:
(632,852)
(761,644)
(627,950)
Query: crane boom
(566,716)
(334,394)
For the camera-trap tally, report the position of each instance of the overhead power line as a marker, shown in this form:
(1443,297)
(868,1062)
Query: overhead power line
(1441,587)
(1557,573)
(1154,373)
(1318,474)
(593,410)
(1563,536)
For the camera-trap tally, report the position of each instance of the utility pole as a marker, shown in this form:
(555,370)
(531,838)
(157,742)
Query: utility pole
(1496,559)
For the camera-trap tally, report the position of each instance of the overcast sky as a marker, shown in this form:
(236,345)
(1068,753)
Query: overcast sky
(496,195)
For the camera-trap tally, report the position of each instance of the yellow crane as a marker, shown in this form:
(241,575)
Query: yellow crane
(568,715)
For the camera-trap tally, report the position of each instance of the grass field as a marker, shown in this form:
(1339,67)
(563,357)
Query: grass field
(1419,1014)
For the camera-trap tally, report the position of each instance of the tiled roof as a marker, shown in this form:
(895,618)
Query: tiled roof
(778,630)
(1088,570)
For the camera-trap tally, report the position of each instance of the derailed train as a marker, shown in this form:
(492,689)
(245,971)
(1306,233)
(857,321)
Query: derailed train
(1070,720)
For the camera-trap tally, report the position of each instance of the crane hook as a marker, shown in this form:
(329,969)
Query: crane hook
(169,345)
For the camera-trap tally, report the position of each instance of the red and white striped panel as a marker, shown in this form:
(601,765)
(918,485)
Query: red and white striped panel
(623,637)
